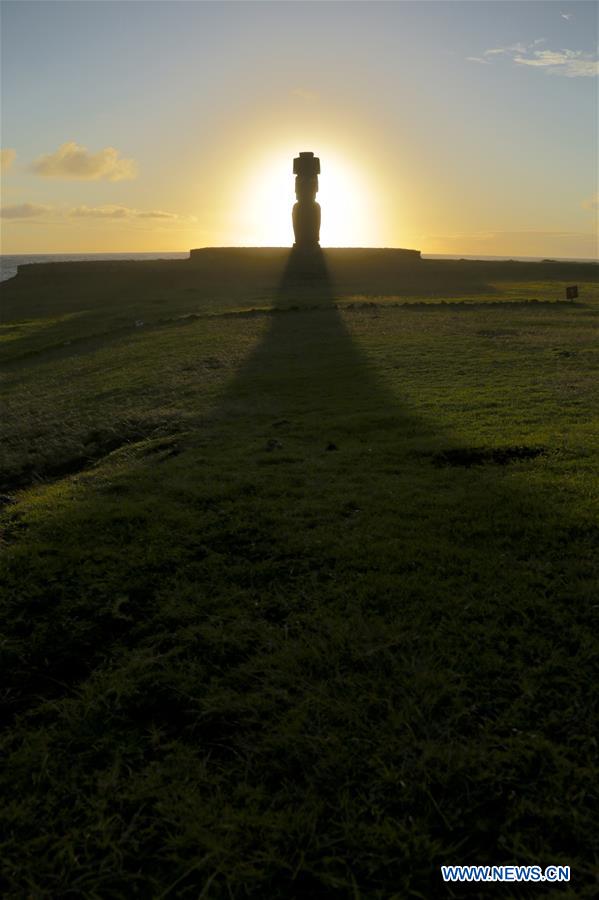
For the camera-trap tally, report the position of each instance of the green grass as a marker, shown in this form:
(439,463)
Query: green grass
(260,640)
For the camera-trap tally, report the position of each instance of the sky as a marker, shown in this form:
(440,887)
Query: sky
(449,126)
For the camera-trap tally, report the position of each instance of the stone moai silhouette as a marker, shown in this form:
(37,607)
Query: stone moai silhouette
(306,212)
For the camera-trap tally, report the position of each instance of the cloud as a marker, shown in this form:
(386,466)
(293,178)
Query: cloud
(123,212)
(478,59)
(591,202)
(576,244)
(569,63)
(156,214)
(566,16)
(7,157)
(71,160)
(24,211)
(100,212)
(512,48)
(108,211)
(305,94)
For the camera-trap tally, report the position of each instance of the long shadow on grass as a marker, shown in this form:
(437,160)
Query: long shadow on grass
(307,362)
(396,674)
(322,666)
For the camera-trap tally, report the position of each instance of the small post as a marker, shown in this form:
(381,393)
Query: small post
(572,292)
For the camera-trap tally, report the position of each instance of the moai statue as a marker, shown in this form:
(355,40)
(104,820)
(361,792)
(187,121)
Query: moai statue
(306,212)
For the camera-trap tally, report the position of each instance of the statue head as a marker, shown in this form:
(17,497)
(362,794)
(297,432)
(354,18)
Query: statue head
(306,168)
(306,164)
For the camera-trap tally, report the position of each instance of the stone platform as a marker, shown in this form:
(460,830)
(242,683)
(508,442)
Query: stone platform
(340,264)
(336,255)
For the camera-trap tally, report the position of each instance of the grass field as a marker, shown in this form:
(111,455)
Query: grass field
(299,578)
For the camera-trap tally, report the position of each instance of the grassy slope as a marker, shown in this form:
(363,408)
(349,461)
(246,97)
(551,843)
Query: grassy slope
(242,663)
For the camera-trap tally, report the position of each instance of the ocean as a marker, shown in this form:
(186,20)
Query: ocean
(9,263)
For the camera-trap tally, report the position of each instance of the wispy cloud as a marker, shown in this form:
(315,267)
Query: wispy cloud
(511,48)
(156,214)
(125,212)
(24,211)
(479,59)
(305,94)
(71,160)
(514,243)
(100,212)
(7,157)
(108,211)
(566,16)
(569,63)
(491,235)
